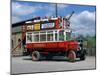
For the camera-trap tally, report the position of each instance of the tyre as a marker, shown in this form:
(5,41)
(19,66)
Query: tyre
(36,56)
(83,57)
(72,56)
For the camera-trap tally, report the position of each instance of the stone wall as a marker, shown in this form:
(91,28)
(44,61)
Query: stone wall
(15,41)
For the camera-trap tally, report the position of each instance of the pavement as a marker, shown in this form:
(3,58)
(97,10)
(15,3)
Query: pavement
(24,64)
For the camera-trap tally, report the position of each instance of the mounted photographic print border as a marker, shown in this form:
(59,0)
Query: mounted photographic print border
(52,37)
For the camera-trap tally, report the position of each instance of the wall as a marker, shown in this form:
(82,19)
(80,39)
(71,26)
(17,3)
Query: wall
(15,42)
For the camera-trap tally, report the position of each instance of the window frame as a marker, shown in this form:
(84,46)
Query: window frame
(46,32)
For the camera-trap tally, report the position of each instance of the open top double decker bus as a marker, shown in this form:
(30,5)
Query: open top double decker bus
(50,37)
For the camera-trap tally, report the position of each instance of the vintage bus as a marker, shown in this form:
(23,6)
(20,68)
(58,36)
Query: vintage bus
(52,37)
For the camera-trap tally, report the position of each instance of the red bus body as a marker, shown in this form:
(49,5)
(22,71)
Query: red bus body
(54,46)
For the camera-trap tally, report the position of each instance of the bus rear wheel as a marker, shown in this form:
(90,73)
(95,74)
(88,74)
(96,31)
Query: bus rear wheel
(72,56)
(36,56)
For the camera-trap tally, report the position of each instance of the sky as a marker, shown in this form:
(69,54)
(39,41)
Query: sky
(82,22)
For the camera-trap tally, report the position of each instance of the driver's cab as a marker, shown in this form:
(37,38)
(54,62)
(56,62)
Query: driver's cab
(48,36)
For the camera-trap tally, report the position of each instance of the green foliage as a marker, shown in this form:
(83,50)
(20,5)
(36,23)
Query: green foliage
(91,41)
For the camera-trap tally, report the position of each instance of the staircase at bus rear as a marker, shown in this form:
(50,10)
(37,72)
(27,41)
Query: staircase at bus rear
(18,49)
(17,52)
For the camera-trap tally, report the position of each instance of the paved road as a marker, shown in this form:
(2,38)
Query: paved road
(26,65)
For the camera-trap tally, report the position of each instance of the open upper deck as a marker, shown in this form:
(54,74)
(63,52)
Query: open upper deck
(46,24)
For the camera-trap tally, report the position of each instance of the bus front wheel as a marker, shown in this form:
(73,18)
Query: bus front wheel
(72,56)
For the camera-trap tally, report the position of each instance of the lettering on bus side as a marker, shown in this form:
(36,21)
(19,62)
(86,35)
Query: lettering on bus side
(38,45)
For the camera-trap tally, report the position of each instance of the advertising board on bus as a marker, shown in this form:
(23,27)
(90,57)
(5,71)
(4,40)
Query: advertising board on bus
(37,26)
(47,25)
(41,26)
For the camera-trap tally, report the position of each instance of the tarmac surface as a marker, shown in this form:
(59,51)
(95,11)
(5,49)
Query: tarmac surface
(24,64)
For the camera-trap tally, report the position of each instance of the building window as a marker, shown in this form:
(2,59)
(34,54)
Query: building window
(19,42)
(12,42)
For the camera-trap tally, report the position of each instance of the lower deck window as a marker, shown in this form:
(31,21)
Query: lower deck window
(67,36)
(55,36)
(29,38)
(61,35)
(36,38)
(48,36)
(42,37)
